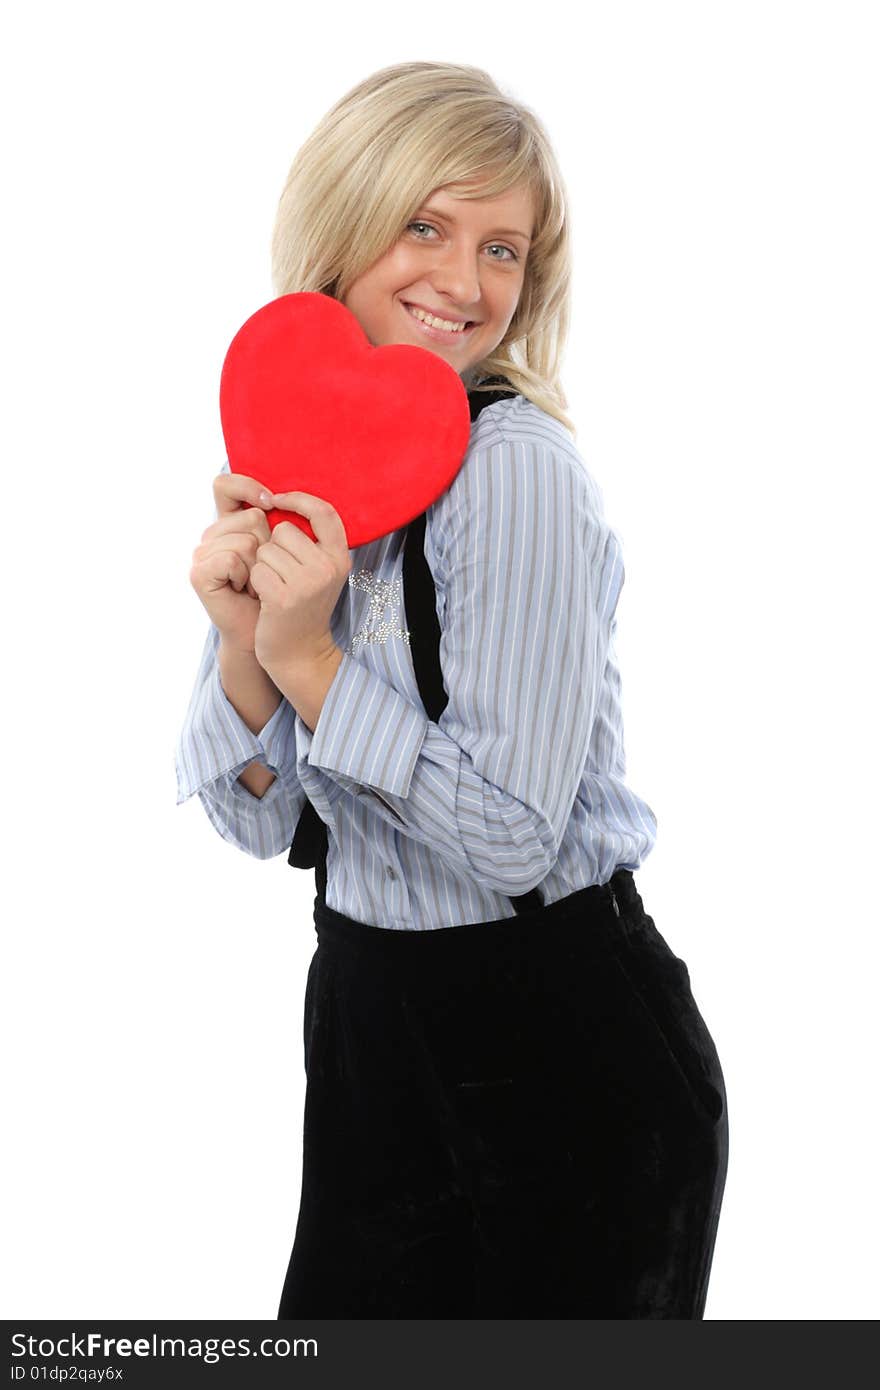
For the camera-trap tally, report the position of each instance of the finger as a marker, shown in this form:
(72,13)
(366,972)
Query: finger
(245,544)
(322,516)
(286,536)
(269,584)
(287,563)
(248,519)
(213,572)
(233,489)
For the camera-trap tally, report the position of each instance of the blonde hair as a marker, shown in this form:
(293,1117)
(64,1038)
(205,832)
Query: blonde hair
(376,156)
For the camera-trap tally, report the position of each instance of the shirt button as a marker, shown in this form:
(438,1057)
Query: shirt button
(389,871)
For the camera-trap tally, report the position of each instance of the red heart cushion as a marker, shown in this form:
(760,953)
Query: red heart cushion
(307,404)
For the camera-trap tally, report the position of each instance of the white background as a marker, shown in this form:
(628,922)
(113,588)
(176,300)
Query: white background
(722,374)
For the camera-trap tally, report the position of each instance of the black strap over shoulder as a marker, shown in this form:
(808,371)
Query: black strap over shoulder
(478,400)
(309,847)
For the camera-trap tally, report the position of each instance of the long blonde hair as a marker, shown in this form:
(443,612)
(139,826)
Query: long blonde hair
(376,156)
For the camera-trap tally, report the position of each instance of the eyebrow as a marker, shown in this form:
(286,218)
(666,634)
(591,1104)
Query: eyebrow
(499,231)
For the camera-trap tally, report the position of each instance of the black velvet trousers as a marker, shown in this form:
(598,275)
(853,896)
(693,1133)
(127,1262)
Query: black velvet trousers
(523,1118)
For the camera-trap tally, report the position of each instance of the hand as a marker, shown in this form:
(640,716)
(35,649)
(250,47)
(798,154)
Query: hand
(298,582)
(220,572)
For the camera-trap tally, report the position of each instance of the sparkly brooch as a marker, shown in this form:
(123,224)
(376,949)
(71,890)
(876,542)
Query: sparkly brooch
(384,594)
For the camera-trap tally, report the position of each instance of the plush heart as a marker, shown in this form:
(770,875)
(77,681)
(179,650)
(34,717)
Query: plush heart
(307,404)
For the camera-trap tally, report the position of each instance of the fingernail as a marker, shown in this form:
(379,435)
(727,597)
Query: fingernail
(266,498)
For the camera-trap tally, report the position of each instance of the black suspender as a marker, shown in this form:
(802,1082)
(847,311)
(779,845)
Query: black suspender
(309,846)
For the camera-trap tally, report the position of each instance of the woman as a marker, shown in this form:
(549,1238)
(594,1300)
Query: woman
(513,1106)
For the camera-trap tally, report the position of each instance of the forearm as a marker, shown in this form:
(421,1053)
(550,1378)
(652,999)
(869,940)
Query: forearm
(446,804)
(490,806)
(305,684)
(255,697)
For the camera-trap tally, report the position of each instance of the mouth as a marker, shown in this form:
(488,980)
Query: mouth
(439,329)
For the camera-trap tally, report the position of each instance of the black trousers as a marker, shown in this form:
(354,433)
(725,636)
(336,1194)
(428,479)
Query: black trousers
(523,1118)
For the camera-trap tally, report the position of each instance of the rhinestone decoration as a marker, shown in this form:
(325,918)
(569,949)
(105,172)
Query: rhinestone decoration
(384,594)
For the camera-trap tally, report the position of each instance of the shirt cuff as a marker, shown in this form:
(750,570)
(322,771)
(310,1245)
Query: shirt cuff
(240,793)
(277,739)
(367,733)
(224,745)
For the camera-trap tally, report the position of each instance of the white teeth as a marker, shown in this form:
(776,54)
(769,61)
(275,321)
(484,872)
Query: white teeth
(446,324)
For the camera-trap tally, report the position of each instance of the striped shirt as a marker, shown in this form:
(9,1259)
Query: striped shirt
(521,783)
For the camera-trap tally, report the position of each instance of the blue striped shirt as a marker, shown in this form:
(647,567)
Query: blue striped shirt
(521,782)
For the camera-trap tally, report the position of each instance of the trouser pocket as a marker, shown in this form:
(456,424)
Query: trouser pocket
(660,983)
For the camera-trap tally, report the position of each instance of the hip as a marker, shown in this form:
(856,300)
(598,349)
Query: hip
(582,998)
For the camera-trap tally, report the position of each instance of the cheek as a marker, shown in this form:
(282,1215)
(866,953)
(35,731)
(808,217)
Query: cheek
(383,278)
(515,298)
(368,296)
(505,306)
(404,269)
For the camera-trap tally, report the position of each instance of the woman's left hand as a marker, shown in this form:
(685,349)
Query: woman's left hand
(298,582)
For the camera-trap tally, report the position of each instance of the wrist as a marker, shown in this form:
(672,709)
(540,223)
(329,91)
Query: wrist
(228,648)
(303,665)
(306,683)
(249,689)
(242,663)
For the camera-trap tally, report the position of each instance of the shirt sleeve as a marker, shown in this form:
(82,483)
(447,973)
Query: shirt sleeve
(527,575)
(215,745)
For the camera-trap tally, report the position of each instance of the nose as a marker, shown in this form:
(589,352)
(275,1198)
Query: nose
(456,274)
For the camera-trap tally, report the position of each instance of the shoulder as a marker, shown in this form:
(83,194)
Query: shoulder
(515,441)
(523,490)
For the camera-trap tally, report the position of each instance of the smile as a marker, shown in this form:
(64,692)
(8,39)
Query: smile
(443,330)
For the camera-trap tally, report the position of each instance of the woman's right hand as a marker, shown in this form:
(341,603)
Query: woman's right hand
(221,566)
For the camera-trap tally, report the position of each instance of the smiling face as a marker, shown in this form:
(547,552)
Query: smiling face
(460,262)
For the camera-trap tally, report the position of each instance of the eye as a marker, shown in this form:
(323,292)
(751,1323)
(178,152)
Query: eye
(420,231)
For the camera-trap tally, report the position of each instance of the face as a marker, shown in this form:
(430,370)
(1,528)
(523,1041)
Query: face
(459,261)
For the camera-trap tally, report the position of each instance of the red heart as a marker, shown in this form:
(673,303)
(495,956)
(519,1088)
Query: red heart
(307,404)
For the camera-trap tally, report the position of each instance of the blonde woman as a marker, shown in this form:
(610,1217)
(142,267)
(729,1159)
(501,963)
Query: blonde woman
(513,1105)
